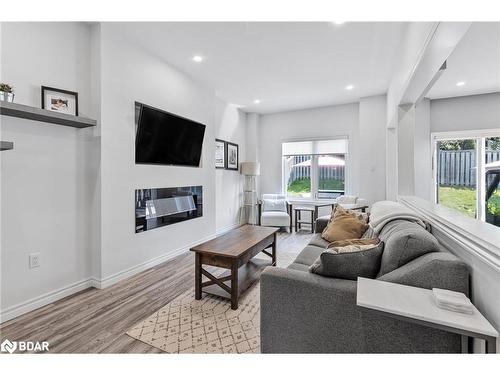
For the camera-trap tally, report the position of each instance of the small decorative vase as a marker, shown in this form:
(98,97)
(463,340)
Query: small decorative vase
(7,96)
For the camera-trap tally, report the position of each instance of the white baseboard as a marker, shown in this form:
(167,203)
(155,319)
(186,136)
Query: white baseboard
(125,274)
(44,299)
(122,275)
(50,297)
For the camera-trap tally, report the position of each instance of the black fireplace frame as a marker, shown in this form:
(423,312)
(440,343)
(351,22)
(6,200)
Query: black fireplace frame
(158,207)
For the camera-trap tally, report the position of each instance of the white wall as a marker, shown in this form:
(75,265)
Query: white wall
(44,179)
(252,136)
(315,123)
(422,151)
(406,156)
(128,73)
(372,145)
(474,112)
(229,126)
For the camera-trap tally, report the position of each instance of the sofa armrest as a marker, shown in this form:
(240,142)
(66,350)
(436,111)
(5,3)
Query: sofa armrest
(433,270)
(301,311)
(321,223)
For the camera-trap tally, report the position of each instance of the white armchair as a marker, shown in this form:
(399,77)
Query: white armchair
(351,201)
(275,211)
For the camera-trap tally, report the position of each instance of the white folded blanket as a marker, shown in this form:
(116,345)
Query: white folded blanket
(454,301)
(385,211)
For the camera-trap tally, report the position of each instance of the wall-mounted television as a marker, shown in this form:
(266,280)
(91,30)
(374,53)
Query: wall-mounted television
(167,139)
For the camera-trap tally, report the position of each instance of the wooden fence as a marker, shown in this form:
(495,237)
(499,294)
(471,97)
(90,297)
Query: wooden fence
(458,168)
(325,172)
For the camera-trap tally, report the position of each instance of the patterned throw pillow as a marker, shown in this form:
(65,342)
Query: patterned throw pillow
(352,245)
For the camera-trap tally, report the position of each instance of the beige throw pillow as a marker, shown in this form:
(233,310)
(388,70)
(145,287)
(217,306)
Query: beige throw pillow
(343,226)
(339,210)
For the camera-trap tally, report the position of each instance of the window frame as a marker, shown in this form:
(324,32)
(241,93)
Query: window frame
(479,136)
(314,168)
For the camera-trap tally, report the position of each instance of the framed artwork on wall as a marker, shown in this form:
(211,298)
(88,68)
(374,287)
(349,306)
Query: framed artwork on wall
(232,157)
(220,153)
(62,101)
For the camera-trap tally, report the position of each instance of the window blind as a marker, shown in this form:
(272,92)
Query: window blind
(318,147)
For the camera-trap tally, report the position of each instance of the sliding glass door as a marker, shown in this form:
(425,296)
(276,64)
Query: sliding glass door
(456,185)
(467,173)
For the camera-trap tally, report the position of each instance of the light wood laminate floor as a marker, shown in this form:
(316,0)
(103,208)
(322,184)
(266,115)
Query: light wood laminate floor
(95,320)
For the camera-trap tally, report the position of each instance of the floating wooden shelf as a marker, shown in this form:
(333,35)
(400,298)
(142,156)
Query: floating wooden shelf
(4,145)
(43,115)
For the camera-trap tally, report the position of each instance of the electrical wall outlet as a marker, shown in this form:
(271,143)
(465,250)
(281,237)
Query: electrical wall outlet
(34,260)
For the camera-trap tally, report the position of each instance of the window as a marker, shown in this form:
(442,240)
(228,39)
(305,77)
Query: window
(467,173)
(314,169)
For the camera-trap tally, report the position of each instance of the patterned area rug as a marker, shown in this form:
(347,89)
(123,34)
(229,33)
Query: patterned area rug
(209,325)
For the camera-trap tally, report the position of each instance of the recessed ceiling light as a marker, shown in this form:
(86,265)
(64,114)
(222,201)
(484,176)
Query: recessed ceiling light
(349,87)
(256,101)
(197,58)
(461,83)
(338,22)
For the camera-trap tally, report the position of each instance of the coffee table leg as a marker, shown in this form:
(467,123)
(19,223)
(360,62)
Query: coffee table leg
(234,286)
(274,250)
(197,276)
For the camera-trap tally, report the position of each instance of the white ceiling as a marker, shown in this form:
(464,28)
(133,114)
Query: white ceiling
(287,65)
(475,61)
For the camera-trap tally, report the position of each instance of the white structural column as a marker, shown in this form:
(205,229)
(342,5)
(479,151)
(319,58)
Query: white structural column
(406,155)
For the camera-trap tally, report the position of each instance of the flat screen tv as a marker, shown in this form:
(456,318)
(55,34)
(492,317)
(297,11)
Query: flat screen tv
(165,138)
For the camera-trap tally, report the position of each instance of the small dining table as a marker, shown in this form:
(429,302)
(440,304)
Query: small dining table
(317,204)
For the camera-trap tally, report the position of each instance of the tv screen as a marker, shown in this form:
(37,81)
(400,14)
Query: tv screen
(165,138)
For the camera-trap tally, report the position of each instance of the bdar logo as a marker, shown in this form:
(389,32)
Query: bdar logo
(8,346)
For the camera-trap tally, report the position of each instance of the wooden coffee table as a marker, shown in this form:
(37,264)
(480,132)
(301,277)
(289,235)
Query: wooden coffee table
(233,251)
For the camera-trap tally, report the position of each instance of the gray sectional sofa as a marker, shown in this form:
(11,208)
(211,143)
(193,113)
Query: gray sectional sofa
(302,312)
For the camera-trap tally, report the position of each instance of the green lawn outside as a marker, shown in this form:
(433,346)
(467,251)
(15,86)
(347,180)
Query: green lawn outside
(464,200)
(303,185)
(460,199)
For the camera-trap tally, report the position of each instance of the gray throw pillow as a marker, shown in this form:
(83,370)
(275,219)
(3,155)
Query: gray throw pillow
(349,265)
(404,241)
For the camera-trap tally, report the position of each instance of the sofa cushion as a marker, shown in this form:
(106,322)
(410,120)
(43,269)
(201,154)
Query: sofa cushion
(275,219)
(350,263)
(309,255)
(404,241)
(344,225)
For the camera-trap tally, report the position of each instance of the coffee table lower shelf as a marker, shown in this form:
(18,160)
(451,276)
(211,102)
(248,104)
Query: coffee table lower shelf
(248,274)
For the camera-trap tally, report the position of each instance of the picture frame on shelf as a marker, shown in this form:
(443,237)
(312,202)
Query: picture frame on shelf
(220,154)
(59,100)
(232,156)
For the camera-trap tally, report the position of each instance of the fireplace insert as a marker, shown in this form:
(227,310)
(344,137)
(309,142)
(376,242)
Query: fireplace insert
(165,206)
